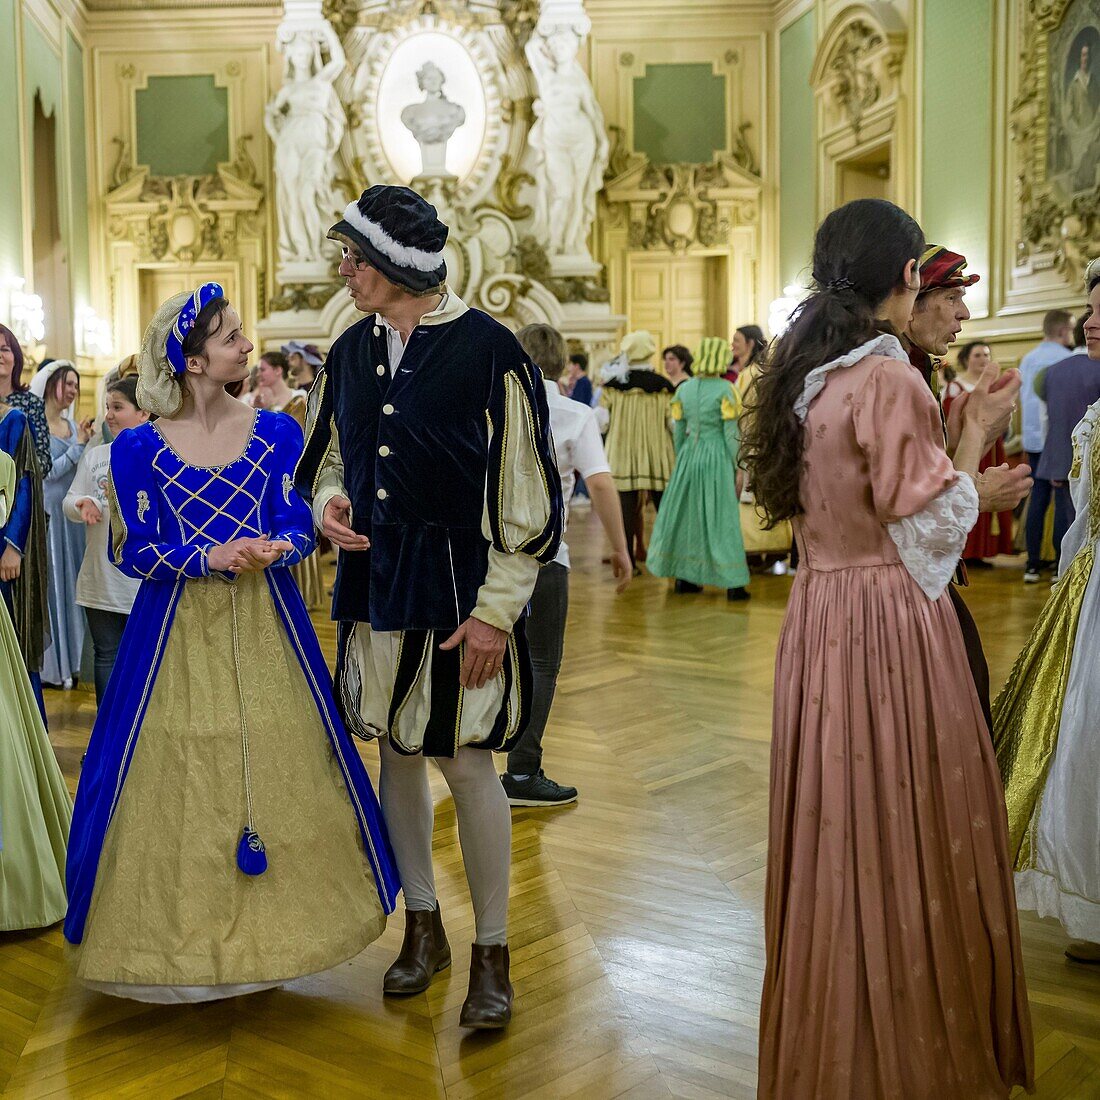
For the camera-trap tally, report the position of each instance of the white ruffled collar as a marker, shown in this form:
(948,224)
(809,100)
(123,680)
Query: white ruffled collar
(884,344)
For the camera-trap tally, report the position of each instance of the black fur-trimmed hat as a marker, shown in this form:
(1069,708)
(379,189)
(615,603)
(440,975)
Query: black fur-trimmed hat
(398,233)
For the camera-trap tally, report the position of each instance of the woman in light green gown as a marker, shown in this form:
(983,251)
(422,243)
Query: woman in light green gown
(35,808)
(697,537)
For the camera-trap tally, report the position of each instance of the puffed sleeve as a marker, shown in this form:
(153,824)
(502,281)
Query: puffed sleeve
(134,502)
(21,505)
(679,428)
(64,465)
(523,516)
(1080,486)
(7,486)
(319,474)
(290,519)
(928,507)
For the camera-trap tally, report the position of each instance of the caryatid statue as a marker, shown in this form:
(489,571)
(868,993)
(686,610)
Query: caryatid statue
(306,123)
(569,137)
(433,121)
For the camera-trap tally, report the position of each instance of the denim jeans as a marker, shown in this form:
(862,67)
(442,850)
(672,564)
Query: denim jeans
(1041,493)
(106,628)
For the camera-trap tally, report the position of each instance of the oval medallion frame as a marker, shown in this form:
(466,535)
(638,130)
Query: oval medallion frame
(370,142)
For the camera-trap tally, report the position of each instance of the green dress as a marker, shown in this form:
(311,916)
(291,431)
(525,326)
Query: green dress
(697,536)
(35,808)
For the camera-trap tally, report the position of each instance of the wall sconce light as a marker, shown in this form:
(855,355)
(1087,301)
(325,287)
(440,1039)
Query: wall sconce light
(781,310)
(93,334)
(26,316)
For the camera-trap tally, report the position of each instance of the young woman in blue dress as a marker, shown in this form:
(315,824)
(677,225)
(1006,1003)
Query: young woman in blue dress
(226,837)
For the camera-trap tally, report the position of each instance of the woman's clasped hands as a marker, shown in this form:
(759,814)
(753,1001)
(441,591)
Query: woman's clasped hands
(246,555)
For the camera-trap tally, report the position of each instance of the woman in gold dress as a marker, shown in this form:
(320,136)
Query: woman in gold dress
(1046,721)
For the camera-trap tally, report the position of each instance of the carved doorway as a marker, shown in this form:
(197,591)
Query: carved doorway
(865,176)
(51,268)
(679,299)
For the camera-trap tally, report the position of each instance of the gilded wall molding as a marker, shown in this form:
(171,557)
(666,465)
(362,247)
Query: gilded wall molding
(1055,148)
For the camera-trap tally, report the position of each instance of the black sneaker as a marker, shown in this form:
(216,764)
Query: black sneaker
(536,790)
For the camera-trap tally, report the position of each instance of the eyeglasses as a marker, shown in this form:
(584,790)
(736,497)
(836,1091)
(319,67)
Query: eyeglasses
(347,254)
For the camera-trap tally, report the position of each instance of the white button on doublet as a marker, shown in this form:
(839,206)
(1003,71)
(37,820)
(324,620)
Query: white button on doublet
(377,331)
(380,370)
(384,451)
(382,494)
(387,410)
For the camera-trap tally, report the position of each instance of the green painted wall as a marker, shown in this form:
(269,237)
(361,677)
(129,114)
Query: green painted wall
(79,268)
(667,97)
(956,186)
(42,80)
(11,210)
(182,125)
(796,150)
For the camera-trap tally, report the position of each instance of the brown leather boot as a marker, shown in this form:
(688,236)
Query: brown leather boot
(489,1000)
(424,953)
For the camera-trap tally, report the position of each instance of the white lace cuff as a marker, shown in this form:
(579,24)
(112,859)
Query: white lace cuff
(931,542)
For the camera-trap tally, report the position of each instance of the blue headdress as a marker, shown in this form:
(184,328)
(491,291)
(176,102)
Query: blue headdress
(185,322)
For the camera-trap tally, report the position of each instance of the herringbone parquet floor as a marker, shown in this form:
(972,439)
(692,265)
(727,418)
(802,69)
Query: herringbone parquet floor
(636,915)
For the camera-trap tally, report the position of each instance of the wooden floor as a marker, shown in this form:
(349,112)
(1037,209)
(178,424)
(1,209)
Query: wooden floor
(636,925)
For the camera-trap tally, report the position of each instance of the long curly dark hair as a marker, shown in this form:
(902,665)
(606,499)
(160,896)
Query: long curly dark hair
(860,254)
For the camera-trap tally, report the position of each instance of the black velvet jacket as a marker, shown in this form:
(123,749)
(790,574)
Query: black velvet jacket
(424,462)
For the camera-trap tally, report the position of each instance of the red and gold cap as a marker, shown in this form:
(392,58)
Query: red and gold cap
(941,268)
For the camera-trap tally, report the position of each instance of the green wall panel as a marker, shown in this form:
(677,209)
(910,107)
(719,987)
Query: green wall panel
(680,113)
(42,81)
(78,167)
(11,207)
(182,125)
(41,70)
(796,150)
(956,188)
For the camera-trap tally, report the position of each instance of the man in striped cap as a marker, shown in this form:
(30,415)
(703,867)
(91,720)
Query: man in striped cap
(937,320)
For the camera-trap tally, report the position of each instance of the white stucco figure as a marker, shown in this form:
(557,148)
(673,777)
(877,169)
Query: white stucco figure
(569,139)
(306,123)
(433,121)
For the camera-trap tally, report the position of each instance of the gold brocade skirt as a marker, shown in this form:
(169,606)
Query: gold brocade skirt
(170,907)
(1028,712)
(307,575)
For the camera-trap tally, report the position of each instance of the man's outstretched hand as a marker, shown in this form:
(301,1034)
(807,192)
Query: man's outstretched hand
(485,646)
(336,526)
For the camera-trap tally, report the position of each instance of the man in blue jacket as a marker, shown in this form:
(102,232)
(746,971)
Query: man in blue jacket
(429,464)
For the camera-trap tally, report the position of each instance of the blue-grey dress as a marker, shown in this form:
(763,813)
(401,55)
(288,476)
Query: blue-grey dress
(65,553)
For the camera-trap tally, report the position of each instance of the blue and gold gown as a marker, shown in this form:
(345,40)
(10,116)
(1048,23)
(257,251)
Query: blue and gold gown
(219,714)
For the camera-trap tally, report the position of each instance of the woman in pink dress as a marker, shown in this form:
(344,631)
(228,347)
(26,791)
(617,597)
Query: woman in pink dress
(893,952)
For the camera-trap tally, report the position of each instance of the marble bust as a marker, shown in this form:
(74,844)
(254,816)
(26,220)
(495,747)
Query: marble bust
(433,121)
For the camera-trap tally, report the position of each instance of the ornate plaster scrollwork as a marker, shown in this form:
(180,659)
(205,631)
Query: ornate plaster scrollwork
(858,66)
(1055,132)
(184,218)
(680,206)
(855,87)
